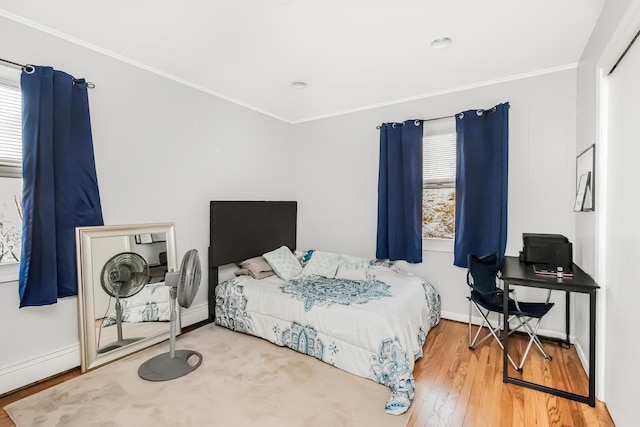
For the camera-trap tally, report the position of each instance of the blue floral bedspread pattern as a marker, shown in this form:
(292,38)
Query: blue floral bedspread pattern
(374,328)
(318,290)
(303,339)
(390,367)
(433,300)
(422,337)
(231,307)
(151,304)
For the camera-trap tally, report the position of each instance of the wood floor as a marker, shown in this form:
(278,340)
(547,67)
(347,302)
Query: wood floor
(456,386)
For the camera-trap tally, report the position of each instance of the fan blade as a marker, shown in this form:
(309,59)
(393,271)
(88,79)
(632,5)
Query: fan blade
(189,280)
(133,285)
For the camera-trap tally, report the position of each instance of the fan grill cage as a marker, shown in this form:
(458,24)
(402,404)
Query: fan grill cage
(189,278)
(125,264)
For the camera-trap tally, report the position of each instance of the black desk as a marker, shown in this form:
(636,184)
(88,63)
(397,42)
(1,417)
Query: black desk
(515,272)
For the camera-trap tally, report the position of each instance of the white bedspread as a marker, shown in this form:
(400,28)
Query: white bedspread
(374,328)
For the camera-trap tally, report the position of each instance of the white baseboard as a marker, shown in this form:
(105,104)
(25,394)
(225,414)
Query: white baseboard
(21,374)
(583,357)
(476,320)
(194,314)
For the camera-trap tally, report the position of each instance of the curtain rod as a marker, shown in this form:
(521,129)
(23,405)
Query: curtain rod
(479,112)
(28,68)
(428,120)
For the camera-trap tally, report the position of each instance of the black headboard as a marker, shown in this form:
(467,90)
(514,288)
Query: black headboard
(244,229)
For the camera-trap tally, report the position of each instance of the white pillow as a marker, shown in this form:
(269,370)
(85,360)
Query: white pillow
(352,268)
(322,264)
(283,263)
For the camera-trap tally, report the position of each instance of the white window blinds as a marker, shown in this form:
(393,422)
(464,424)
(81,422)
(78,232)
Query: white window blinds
(10,131)
(439,151)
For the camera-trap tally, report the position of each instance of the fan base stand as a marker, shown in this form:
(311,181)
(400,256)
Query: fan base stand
(163,367)
(117,344)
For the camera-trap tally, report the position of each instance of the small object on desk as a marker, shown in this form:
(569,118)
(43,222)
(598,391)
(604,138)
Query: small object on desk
(548,270)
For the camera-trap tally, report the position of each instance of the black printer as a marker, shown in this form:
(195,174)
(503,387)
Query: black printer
(552,249)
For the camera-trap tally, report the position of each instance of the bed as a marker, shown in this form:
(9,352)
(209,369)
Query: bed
(372,325)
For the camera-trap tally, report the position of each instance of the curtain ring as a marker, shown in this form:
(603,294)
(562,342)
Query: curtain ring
(479,112)
(493,110)
(461,116)
(393,125)
(90,85)
(417,122)
(29,69)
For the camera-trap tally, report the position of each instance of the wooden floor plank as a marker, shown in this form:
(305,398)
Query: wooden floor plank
(456,386)
(475,391)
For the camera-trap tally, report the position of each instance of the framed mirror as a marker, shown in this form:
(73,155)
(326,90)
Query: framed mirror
(124,305)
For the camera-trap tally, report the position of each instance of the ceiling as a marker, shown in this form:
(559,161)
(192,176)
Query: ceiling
(353,54)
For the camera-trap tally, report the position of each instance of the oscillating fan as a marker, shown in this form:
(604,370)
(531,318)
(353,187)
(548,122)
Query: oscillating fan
(123,276)
(176,363)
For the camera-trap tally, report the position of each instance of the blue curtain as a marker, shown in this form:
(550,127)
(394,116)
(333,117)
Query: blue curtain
(60,188)
(481,183)
(400,192)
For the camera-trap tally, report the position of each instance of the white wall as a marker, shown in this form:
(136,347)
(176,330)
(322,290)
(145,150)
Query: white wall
(598,237)
(336,174)
(607,115)
(623,235)
(163,150)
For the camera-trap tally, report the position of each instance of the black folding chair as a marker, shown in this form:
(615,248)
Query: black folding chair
(487,298)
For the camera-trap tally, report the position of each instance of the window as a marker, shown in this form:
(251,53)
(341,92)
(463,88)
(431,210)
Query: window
(439,179)
(10,179)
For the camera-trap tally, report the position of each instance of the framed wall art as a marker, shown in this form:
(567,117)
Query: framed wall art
(143,238)
(585,180)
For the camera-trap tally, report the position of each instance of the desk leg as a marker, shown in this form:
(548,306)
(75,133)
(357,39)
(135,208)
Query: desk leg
(592,348)
(505,331)
(568,320)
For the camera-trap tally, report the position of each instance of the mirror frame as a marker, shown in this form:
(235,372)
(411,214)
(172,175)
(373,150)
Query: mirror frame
(86,309)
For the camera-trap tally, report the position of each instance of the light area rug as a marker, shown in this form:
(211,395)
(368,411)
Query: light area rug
(243,381)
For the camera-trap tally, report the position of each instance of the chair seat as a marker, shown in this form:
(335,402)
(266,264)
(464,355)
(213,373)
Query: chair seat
(481,278)
(528,309)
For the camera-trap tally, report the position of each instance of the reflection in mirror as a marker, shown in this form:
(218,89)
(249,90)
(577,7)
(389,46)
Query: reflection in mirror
(124,303)
(129,310)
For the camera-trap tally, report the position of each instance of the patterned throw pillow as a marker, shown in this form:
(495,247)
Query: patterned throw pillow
(322,264)
(283,262)
(352,268)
